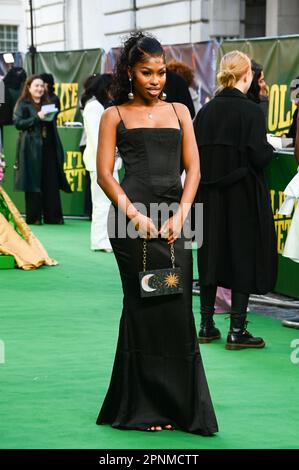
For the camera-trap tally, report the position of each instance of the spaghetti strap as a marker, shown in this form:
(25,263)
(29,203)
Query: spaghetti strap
(119,114)
(176,114)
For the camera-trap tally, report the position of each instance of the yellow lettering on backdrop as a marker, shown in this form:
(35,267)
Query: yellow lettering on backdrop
(277,198)
(74,170)
(273,108)
(75,179)
(64,116)
(56,87)
(279,234)
(74,96)
(68,95)
(278,120)
(282,228)
(64,96)
(282,222)
(272,196)
(283,123)
(80,173)
(68,164)
(281,198)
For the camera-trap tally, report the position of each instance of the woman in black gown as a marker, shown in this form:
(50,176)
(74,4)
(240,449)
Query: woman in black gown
(158,381)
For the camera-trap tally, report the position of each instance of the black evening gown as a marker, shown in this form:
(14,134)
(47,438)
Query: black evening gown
(158,376)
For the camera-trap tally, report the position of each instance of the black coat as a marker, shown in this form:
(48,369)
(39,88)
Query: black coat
(177,91)
(293,129)
(239,242)
(28,166)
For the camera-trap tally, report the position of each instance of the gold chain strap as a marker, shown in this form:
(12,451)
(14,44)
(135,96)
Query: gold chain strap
(144,255)
(172,256)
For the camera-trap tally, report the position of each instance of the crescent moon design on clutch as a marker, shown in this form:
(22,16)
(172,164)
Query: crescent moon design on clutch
(144,283)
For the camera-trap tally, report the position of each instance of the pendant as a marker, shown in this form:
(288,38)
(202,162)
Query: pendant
(150,116)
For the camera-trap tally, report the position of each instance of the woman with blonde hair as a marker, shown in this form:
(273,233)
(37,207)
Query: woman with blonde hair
(239,243)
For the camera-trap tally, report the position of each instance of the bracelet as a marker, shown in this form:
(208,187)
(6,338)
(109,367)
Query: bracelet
(130,210)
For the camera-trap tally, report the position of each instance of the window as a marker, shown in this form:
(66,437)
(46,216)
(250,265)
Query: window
(8,38)
(255,18)
(224,38)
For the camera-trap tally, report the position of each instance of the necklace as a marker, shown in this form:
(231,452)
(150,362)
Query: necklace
(149,111)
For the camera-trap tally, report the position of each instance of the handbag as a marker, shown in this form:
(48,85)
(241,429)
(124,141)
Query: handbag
(165,281)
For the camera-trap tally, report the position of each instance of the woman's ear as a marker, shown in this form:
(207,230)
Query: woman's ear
(247,76)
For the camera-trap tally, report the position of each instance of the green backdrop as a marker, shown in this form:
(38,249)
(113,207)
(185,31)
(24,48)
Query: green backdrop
(280,60)
(69,69)
(73,204)
(279,173)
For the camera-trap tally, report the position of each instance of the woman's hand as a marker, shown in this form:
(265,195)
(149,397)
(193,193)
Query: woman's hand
(172,228)
(41,115)
(145,226)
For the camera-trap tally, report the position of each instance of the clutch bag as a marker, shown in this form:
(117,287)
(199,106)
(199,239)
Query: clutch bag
(164,281)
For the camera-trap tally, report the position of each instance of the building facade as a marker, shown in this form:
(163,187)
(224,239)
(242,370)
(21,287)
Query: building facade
(85,24)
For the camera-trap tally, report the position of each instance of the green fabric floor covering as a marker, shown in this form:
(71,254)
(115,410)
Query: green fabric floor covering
(59,328)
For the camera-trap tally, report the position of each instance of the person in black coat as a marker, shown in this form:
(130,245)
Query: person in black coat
(258,89)
(48,80)
(14,83)
(39,157)
(177,91)
(239,241)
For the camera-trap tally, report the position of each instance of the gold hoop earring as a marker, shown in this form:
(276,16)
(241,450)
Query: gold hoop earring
(131,94)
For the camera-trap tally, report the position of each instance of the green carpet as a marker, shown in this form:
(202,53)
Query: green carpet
(59,326)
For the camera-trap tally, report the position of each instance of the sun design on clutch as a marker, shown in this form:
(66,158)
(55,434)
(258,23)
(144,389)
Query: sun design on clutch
(171,280)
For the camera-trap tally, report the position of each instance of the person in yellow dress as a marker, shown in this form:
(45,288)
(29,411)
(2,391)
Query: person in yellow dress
(16,238)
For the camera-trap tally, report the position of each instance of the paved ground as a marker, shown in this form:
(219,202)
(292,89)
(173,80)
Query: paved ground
(273,305)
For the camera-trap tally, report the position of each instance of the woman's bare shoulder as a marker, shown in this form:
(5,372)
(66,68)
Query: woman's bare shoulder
(111,116)
(182,111)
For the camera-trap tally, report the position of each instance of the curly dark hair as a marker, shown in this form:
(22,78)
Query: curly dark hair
(254,91)
(49,79)
(136,48)
(99,86)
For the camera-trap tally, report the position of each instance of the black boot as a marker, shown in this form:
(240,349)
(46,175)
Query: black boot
(238,337)
(208,332)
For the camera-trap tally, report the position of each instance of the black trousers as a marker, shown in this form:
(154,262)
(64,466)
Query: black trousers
(208,296)
(47,203)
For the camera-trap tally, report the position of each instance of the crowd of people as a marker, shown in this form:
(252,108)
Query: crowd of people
(142,116)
